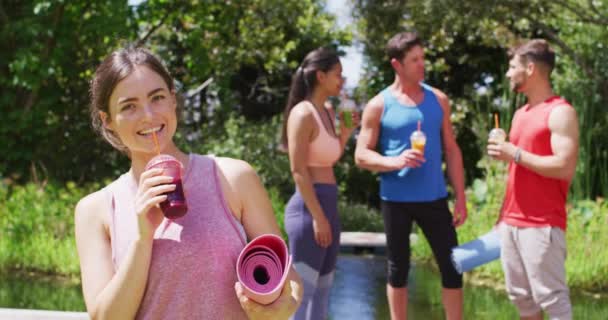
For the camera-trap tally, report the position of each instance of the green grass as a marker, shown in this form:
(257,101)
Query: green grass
(36,229)
(37,226)
(586,236)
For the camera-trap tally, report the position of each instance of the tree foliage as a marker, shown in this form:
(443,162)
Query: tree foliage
(49,49)
(469,32)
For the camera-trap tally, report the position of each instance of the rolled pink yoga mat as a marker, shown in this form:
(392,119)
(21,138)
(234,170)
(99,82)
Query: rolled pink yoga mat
(262,268)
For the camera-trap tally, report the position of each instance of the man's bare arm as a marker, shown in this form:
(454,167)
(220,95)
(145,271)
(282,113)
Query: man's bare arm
(366,156)
(563,124)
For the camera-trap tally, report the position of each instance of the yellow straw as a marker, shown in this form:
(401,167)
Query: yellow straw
(496,120)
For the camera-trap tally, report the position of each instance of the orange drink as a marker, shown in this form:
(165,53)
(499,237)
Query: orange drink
(418,140)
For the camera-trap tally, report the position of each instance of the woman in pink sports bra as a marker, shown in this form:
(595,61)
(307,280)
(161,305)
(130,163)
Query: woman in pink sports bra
(135,263)
(311,216)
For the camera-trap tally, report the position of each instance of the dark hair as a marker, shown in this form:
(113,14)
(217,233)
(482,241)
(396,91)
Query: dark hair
(401,43)
(537,51)
(114,68)
(304,80)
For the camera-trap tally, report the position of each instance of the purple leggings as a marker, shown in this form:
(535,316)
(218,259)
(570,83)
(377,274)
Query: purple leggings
(314,263)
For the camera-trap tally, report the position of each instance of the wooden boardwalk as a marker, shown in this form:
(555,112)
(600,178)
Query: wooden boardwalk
(363,239)
(25,314)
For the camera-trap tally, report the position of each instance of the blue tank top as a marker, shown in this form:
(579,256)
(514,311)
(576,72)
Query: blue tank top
(423,184)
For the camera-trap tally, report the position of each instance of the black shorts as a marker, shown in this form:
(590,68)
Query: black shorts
(435,221)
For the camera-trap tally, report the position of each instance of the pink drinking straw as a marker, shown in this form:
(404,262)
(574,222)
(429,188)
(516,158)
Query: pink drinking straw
(418,125)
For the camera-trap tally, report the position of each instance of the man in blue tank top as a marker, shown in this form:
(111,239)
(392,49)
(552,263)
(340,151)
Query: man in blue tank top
(412,184)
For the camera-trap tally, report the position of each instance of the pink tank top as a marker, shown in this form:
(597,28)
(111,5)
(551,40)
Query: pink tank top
(192,271)
(325,149)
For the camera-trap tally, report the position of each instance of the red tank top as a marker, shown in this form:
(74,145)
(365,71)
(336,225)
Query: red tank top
(532,200)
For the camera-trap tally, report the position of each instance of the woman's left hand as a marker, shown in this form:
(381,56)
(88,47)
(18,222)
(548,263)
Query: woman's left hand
(282,308)
(355,121)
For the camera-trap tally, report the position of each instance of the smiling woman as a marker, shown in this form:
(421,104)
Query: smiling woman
(121,233)
(110,89)
(137,117)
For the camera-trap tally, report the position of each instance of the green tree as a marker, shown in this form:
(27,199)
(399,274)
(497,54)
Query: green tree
(49,50)
(249,48)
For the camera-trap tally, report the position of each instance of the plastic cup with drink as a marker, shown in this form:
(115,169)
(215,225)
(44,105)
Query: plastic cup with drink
(497,134)
(347,107)
(418,142)
(418,139)
(175,205)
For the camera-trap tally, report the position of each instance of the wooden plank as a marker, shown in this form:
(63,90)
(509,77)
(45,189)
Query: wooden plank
(363,239)
(24,314)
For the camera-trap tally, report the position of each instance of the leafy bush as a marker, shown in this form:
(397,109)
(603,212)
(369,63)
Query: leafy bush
(278,206)
(359,217)
(255,142)
(37,227)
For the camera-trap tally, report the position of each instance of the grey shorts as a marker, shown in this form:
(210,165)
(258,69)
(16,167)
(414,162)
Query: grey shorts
(533,260)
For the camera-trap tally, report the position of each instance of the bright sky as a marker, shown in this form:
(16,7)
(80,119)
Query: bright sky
(353,61)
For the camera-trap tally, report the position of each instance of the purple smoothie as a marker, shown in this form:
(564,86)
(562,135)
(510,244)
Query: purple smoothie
(175,205)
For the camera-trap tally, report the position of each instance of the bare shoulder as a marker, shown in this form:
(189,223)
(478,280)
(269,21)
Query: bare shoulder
(300,111)
(90,209)
(562,117)
(375,106)
(377,102)
(234,169)
(237,179)
(301,120)
(564,110)
(443,98)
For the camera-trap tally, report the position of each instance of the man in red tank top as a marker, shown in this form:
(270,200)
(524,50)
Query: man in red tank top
(542,153)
